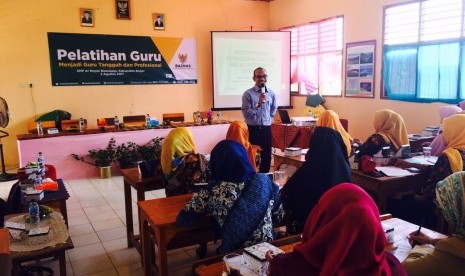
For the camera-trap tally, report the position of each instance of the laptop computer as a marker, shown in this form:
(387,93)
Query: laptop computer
(284,116)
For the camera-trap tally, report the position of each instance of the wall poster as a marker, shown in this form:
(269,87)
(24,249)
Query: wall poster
(89,59)
(360,69)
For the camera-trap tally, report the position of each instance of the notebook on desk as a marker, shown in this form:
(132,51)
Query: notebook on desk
(285,119)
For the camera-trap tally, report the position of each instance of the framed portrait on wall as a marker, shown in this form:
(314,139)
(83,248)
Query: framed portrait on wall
(158,21)
(123,9)
(360,69)
(86,17)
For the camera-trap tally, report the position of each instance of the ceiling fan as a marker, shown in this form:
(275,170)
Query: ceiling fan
(4,119)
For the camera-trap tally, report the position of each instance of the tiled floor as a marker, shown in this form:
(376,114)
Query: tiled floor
(97,227)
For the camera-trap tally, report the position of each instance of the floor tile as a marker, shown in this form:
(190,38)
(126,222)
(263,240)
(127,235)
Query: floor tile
(80,229)
(107,224)
(85,252)
(112,234)
(85,239)
(101,216)
(92,265)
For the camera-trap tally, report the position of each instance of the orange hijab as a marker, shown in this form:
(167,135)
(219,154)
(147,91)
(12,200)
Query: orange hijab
(329,118)
(239,132)
(391,126)
(454,137)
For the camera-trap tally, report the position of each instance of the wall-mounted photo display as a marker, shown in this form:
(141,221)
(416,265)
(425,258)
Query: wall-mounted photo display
(158,21)
(86,17)
(360,69)
(123,9)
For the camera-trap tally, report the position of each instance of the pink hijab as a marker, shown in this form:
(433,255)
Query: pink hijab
(438,145)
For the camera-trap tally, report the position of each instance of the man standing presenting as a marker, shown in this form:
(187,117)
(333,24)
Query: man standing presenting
(258,109)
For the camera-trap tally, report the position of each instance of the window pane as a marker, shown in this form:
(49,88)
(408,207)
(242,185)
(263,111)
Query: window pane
(441,19)
(400,71)
(401,24)
(331,72)
(462,73)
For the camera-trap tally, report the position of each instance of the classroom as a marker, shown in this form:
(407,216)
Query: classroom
(26,84)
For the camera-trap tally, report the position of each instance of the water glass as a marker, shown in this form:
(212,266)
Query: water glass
(427,152)
(279,178)
(232,264)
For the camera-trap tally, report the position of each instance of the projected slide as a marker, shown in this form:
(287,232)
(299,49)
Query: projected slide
(236,54)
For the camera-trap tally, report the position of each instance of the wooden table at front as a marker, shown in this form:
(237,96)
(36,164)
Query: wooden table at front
(279,159)
(159,215)
(402,228)
(132,178)
(382,187)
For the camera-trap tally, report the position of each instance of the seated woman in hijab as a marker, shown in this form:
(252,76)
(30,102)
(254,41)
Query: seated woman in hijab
(239,132)
(326,165)
(181,166)
(390,131)
(329,118)
(242,201)
(450,161)
(438,145)
(448,255)
(342,236)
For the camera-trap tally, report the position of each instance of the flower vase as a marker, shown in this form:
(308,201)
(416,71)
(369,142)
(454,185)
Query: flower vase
(105,172)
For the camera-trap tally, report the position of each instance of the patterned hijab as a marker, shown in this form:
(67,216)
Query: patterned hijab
(178,142)
(229,162)
(329,118)
(343,234)
(239,132)
(391,126)
(450,197)
(454,138)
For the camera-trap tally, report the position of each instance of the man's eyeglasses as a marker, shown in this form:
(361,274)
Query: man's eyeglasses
(261,76)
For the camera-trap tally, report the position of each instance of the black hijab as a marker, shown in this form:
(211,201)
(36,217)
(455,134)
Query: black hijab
(325,166)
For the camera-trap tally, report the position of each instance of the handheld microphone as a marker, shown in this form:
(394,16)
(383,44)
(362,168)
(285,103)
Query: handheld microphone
(263,88)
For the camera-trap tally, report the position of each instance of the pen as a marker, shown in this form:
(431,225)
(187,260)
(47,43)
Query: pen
(418,232)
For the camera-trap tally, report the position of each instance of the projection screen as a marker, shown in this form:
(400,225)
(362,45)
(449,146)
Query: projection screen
(236,54)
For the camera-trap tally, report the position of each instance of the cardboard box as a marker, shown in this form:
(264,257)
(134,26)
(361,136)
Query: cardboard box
(292,151)
(33,194)
(254,257)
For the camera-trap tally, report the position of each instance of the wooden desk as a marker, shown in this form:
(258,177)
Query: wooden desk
(416,143)
(383,187)
(57,251)
(58,148)
(379,187)
(401,229)
(279,159)
(133,179)
(5,256)
(53,199)
(159,216)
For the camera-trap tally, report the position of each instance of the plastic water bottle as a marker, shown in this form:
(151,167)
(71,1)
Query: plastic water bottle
(40,130)
(147,121)
(34,212)
(218,117)
(198,117)
(40,159)
(116,122)
(42,171)
(81,125)
(38,181)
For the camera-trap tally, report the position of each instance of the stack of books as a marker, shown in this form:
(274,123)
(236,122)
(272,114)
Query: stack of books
(430,131)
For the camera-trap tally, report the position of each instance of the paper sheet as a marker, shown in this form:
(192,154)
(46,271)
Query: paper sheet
(393,171)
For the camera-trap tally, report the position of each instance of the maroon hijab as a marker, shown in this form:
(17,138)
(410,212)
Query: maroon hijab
(342,236)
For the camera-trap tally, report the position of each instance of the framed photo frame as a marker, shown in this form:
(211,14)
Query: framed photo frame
(360,69)
(158,21)
(123,9)
(86,17)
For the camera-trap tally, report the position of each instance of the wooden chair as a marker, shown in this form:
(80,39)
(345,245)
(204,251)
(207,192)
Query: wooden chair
(32,126)
(108,121)
(345,124)
(66,124)
(134,120)
(173,117)
(203,115)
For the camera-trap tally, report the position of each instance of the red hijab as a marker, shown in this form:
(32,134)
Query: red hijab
(342,236)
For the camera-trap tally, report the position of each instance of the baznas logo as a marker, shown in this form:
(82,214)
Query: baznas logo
(182,58)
